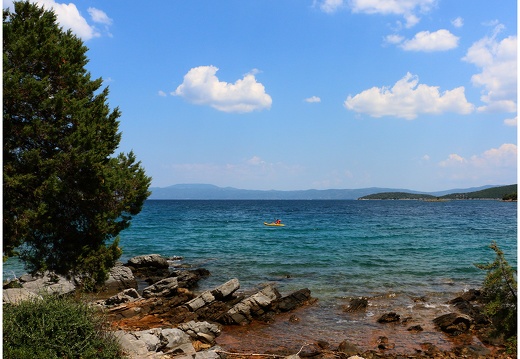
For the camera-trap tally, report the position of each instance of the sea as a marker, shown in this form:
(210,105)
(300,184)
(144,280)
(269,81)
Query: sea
(405,256)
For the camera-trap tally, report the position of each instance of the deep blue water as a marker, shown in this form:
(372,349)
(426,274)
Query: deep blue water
(335,248)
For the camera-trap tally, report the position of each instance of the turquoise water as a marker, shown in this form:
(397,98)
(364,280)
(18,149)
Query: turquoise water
(335,248)
(390,251)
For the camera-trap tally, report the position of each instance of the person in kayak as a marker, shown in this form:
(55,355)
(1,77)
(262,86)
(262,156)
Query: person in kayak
(278,221)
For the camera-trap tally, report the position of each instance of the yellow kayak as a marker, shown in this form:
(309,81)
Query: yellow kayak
(274,224)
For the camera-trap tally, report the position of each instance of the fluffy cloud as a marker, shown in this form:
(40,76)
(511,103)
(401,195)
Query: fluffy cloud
(440,40)
(494,166)
(202,87)
(407,99)
(408,9)
(313,99)
(511,121)
(497,61)
(70,18)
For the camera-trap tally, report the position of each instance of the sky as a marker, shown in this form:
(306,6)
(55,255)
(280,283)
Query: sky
(309,94)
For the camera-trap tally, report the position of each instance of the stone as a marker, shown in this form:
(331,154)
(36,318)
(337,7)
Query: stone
(294,300)
(151,267)
(384,344)
(130,344)
(128,295)
(149,260)
(389,318)
(17,295)
(164,288)
(48,283)
(119,278)
(415,329)
(453,323)
(226,289)
(357,305)
(202,331)
(253,306)
(348,348)
(175,337)
(189,278)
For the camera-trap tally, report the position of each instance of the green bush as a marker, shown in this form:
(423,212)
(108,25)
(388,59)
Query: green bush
(55,328)
(500,297)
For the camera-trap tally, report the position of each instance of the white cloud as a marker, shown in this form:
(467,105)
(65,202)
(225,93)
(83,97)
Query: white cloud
(202,87)
(99,16)
(407,99)
(440,40)
(511,121)
(394,39)
(161,93)
(330,6)
(70,18)
(313,99)
(496,165)
(458,22)
(406,8)
(497,61)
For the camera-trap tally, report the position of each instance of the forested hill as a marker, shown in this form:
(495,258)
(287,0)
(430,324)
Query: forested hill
(501,192)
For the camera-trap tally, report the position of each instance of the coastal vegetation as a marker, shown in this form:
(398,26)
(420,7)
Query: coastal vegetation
(56,327)
(500,297)
(500,192)
(66,194)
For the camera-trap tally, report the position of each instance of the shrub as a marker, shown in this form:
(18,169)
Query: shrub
(499,296)
(56,328)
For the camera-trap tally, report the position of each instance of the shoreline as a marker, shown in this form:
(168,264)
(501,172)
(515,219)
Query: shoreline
(307,325)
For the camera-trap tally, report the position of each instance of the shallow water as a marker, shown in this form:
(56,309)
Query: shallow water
(388,250)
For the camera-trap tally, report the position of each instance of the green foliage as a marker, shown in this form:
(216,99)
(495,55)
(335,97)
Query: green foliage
(510,197)
(65,194)
(490,193)
(499,295)
(56,328)
(399,195)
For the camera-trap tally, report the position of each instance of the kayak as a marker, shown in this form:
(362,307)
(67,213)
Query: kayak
(274,224)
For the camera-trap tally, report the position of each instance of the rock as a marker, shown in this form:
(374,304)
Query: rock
(472,351)
(357,305)
(415,328)
(204,299)
(128,295)
(130,344)
(166,287)
(153,267)
(294,300)
(453,323)
(189,278)
(17,295)
(119,278)
(202,331)
(384,344)
(175,338)
(49,283)
(348,348)
(226,289)
(389,318)
(253,306)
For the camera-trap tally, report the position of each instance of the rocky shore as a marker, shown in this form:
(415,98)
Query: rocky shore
(156,312)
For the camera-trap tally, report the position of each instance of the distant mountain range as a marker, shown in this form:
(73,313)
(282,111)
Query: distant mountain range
(208,191)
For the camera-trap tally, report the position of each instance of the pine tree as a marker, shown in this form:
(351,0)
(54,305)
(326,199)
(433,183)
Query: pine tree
(66,195)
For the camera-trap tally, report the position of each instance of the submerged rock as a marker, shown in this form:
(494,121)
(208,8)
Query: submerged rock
(453,323)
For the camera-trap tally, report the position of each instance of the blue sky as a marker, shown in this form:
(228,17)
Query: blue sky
(300,94)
